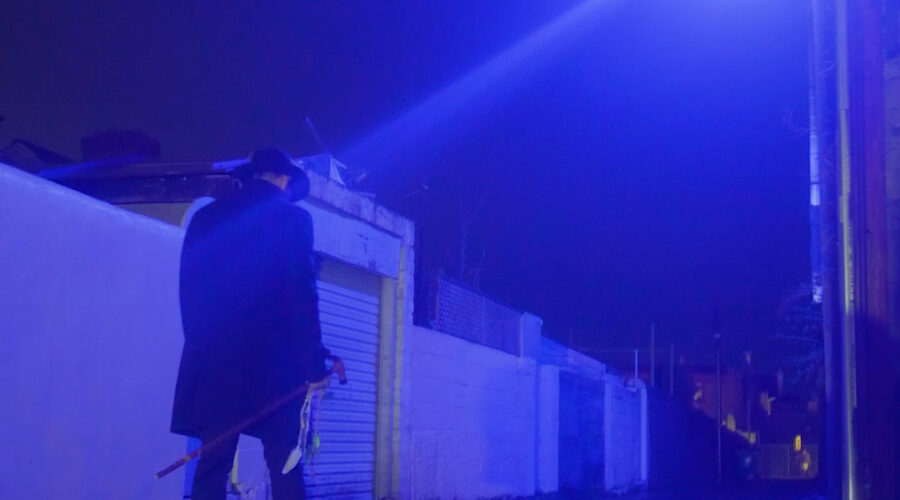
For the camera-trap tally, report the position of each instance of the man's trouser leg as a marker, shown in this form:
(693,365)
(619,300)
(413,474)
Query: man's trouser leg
(284,486)
(211,476)
(278,433)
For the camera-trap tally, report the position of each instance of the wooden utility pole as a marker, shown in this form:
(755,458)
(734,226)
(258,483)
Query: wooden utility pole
(857,344)
(868,209)
(892,182)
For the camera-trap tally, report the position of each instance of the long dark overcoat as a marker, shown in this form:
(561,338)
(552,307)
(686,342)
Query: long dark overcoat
(249,310)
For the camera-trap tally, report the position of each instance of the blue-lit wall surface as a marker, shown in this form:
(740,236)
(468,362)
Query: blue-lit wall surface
(91,341)
(473,420)
(581,445)
(602,431)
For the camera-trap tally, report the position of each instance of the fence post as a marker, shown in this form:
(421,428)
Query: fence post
(652,354)
(635,366)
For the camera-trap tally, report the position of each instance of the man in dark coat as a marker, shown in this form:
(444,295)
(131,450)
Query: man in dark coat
(251,323)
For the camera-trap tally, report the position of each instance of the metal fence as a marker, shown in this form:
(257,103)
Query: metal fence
(782,461)
(456,309)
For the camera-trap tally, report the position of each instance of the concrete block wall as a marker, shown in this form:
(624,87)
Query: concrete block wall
(473,419)
(548,430)
(623,435)
(624,416)
(91,342)
(581,435)
(486,423)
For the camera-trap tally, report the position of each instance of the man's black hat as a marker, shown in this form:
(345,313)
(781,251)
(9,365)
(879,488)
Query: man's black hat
(276,161)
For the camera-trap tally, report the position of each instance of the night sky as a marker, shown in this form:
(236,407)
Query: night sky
(652,165)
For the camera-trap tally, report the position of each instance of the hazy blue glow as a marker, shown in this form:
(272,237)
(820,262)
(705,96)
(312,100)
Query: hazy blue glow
(484,81)
(76,169)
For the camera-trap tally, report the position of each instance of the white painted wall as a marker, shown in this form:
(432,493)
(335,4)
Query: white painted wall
(626,440)
(473,419)
(623,430)
(91,337)
(484,424)
(548,430)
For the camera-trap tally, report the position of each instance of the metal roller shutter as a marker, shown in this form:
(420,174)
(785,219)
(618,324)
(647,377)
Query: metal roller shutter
(349,310)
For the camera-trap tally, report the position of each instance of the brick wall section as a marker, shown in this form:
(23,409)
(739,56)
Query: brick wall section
(473,419)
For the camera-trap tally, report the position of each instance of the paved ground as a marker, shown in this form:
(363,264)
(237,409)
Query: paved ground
(748,494)
(752,491)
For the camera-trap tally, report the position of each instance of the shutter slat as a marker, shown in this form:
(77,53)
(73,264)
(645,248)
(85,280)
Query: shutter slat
(344,467)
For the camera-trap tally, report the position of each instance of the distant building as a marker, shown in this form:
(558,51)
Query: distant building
(746,398)
(784,430)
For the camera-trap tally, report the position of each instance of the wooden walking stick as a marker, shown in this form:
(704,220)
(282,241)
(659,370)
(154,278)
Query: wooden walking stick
(337,368)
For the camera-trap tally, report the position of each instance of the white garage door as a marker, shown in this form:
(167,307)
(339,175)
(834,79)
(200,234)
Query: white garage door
(348,310)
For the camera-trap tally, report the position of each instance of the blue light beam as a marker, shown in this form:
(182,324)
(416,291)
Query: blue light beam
(511,66)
